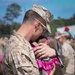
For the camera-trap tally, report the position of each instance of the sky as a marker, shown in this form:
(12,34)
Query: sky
(63,8)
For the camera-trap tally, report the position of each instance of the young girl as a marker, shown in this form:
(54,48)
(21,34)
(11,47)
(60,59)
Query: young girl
(47,65)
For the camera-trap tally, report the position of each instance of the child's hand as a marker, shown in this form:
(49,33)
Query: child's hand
(52,72)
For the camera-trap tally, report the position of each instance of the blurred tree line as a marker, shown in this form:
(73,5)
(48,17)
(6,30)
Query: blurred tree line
(61,22)
(7,24)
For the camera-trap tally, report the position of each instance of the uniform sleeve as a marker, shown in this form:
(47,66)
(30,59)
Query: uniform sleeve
(22,63)
(65,54)
(68,59)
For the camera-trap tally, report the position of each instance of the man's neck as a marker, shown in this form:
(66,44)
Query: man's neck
(25,31)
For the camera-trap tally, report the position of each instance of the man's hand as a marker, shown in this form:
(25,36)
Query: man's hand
(43,50)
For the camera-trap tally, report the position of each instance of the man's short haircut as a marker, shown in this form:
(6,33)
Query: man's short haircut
(31,15)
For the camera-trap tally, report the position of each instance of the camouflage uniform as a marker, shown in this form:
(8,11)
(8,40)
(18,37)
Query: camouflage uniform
(19,58)
(2,44)
(68,59)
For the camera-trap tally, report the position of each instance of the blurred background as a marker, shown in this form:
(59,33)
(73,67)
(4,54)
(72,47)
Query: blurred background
(12,13)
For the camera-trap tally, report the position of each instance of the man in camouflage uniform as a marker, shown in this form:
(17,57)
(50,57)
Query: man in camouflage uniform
(19,58)
(67,54)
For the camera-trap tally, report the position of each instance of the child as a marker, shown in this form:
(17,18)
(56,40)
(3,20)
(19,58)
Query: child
(47,64)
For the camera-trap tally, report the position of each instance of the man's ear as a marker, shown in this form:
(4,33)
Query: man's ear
(37,23)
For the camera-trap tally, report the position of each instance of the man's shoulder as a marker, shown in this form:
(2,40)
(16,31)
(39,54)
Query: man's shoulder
(12,42)
(15,44)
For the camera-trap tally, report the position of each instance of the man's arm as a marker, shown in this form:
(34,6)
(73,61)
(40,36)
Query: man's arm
(43,50)
(22,63)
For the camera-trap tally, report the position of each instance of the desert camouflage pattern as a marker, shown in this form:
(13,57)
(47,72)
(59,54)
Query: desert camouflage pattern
(68,59)
(19,57)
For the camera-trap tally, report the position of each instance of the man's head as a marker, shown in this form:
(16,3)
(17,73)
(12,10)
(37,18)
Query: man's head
(40,16)
(63,37)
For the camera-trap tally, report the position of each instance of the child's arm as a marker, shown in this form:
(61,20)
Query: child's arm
(52,72)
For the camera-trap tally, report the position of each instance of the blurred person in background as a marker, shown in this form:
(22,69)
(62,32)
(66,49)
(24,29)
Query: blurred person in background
(2,44)
(67,54)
